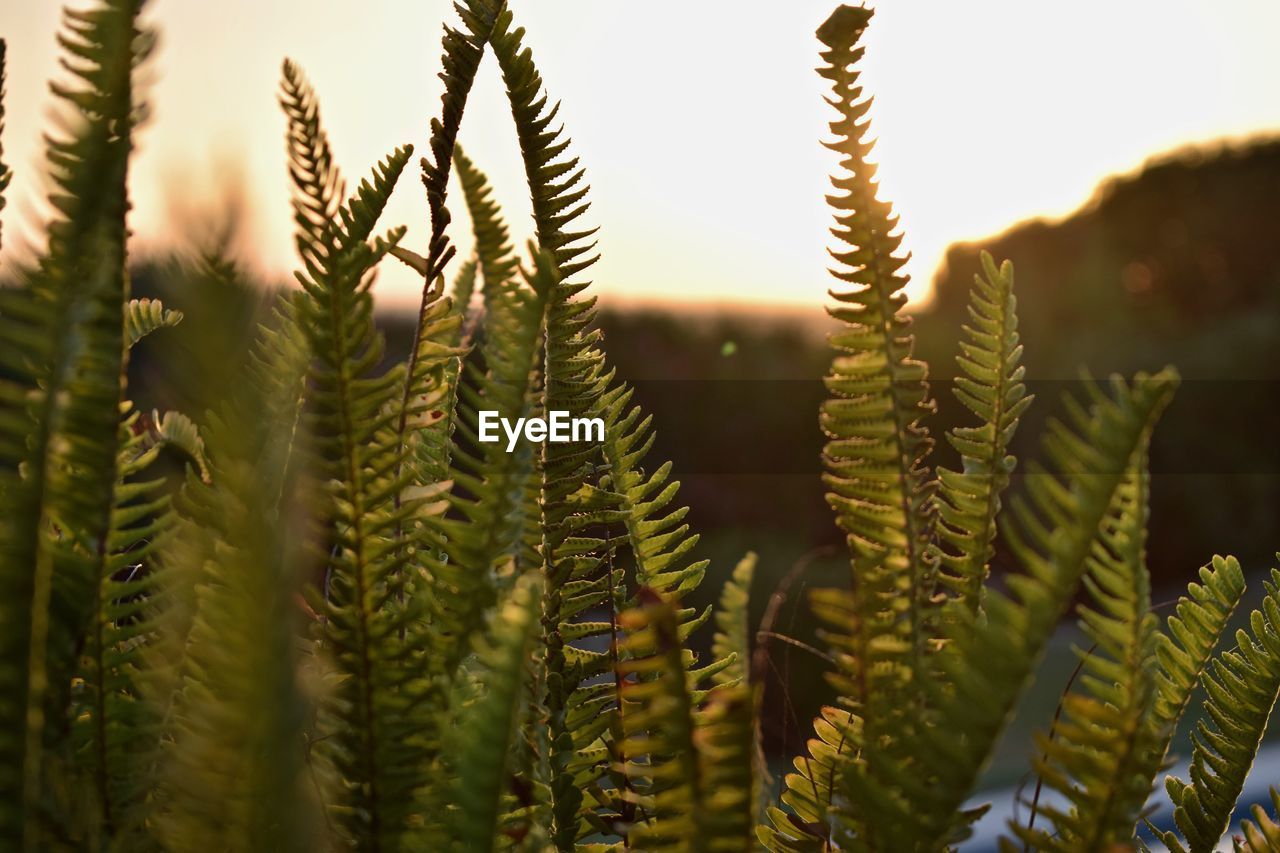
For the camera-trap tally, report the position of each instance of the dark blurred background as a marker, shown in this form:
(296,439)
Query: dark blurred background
(1178,264)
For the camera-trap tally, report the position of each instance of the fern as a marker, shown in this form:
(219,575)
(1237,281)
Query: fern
(991,387)
(880,490)
(1242,685)
(691,768)
(144,316)
(370,728)
(63,346)
(985,664)
(489,725)
(1102,755)
(234,775)
(732,641)
(1262,833)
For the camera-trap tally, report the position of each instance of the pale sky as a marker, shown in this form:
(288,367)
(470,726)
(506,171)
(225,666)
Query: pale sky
(698,120)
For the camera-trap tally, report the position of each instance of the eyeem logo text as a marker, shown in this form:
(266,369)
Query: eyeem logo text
(559,428)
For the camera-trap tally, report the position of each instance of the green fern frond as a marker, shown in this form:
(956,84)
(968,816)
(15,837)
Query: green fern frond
(370,729)
(496,256)
(1262,832)
(1242,684)
(1103,754)
(235,772)
(986,662)
(880,490)
(144,316)
(484,537)
(991,387)
(115,732)
(176,430)
(488,726)
(1193,632)
(688,753)
(877,446)
(732,641)
(62,348)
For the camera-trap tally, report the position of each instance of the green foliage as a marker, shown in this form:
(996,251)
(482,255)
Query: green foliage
(992,389)
(358,624)
(1242,686)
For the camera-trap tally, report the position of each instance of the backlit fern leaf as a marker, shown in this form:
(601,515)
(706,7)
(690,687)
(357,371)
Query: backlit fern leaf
(688,752)
(488,725)
(483,536)
(986,662)
(732,641)
(62,349)
(1103,754)
(144,316)
(371,728)
(879,488)
(234,768)
(496,256)
(1242,686)
(991,387)
(1261,832)
(1193,631)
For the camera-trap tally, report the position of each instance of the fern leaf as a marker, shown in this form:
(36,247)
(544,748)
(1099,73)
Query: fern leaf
(1242,686)
(991,387)
(494,251)
(488,727)
(1262,832)
(691,767)
(732,641)
(144,316)
(986,663)
(235,772)
(1193,632)
(176,430)
(371,723)
(1102,755)
(62,347)
(877,445)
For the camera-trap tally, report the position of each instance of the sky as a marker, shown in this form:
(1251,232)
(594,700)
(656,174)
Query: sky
(698,122)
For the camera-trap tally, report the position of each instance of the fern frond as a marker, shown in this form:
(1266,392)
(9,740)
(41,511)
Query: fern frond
(484,537)
(62,348)
(487,727)
(1193,632)
(690,763)
(877,445)
(1262,832)
(234,770)
(986,663)
(732,641)
(370,729)
(462,52)
(176,430)
(144,316)
(1103,754)
(496,256)
(991,387)
(1242,684)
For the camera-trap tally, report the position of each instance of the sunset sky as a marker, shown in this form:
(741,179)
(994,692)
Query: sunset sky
(698,121)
